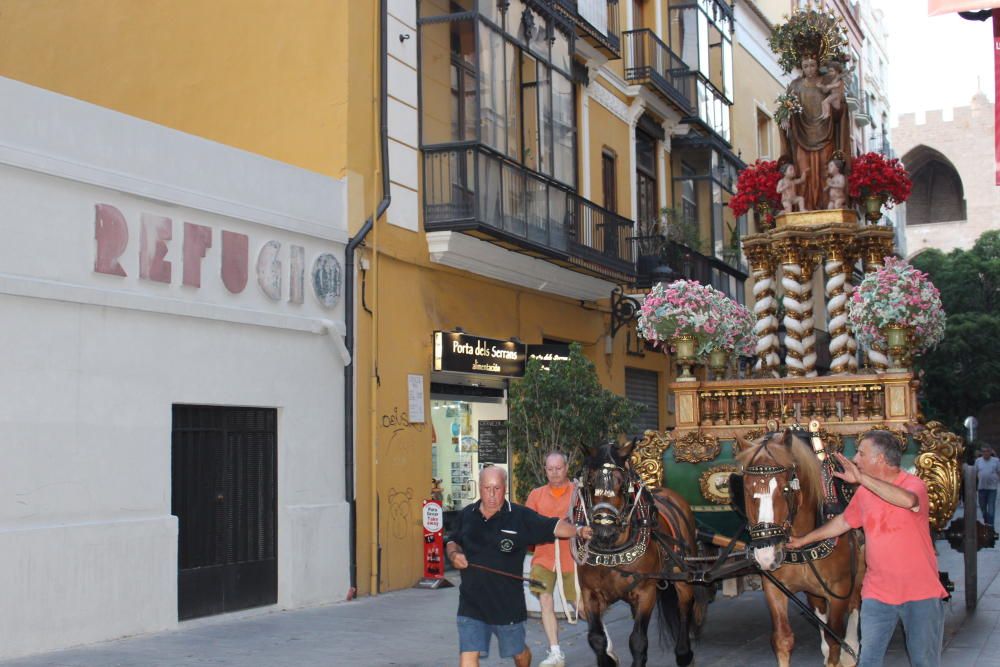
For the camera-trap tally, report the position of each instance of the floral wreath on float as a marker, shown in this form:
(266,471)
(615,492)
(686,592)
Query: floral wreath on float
(689,308)
(897,295)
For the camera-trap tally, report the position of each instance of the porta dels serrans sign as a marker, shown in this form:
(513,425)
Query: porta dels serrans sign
(464,353)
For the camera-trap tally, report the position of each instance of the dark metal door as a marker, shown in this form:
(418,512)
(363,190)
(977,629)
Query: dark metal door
(225,491)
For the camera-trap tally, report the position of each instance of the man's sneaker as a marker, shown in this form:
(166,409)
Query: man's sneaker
(555,658)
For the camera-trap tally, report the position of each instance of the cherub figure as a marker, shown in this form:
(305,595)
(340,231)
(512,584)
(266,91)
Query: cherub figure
(787,188)
(836,184)
(834,88)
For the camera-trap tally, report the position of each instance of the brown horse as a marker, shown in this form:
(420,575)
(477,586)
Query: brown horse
(641,537)
(783,494)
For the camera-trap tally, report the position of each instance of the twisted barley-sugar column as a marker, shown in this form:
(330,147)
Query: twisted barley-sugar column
(808,323)
(837,292)
(791,282)
(765,308)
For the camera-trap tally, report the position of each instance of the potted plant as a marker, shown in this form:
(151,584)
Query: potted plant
(876,181)
(757,190)
(692,318)
(899,309)
(563,408)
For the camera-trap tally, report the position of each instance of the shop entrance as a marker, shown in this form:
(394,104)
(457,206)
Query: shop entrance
(225,491)
(469,433)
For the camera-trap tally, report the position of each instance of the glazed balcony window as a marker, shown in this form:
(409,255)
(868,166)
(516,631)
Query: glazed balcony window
(499,74)
(701,34)
(499,135)
(706,181)
(596,22)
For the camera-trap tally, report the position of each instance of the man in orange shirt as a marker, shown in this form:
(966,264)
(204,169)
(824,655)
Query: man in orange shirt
(901,581)
(553,500)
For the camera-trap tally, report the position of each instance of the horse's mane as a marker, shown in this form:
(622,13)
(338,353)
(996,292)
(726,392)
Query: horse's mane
(807,465)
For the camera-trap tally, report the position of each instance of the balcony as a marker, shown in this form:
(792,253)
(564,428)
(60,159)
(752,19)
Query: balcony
(648,60)
(693,265)
(712,110)
(596,23)
(863,116)
(472,189)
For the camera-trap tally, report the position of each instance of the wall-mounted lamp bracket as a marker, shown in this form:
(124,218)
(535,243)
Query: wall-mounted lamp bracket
(624,309)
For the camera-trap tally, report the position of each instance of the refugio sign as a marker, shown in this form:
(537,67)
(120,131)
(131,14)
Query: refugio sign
(463,353)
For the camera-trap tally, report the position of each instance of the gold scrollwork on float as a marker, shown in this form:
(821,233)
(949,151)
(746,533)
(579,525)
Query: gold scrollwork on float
(714,483)
(696,447)
(939,465)
(647,457)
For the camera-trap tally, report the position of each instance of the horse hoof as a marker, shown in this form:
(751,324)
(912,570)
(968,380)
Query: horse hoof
(685,659)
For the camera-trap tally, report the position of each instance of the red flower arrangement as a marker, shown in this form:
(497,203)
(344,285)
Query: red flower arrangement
(757,188)
(873,175)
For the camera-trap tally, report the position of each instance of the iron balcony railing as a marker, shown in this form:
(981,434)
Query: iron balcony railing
(596,22)
(707,270)
(469,187)
(648,60)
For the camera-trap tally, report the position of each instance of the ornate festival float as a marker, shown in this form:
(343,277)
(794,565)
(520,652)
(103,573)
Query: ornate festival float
(815,263)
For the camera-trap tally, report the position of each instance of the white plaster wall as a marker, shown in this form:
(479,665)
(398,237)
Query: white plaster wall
(93,364)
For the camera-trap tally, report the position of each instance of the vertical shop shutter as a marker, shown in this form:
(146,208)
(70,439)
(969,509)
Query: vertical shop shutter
(644,387)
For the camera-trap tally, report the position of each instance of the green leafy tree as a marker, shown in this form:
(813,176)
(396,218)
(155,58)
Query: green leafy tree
(564,408)
(962,375)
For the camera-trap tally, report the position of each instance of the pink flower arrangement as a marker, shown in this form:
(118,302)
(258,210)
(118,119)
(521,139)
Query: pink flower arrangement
(689,308)
(897,294)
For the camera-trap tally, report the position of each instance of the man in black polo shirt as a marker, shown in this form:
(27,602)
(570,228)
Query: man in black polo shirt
(495,533)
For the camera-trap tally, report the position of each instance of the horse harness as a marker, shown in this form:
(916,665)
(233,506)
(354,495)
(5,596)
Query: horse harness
(763,534)
(768,533)
(639,513)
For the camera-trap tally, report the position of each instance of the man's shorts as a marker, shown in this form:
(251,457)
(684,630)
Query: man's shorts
(548,578)
(474,635)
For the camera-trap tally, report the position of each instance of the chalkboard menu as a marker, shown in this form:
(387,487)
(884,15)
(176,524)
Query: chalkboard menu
(493,441)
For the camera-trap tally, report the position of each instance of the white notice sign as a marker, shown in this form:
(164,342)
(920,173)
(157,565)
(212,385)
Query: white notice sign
(415,394)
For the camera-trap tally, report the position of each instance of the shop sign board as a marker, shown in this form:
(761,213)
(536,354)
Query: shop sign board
(548,353)
(433,520)
(459,352)
(492,441)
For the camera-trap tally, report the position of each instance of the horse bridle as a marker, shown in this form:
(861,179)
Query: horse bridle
(765,534)
(605,513)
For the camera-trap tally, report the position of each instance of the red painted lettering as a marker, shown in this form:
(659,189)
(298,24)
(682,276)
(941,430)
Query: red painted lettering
(235,261)
(197,239)
(111,233)
(154,231)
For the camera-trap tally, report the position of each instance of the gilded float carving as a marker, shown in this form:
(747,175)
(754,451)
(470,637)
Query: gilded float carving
(714,483)
(939,465)
(647,457)
(696,447)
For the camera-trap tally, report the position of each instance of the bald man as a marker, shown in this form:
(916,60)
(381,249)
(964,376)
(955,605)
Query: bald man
(495,533)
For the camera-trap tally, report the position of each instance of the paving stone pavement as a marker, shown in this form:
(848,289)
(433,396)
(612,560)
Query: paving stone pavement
(416,628)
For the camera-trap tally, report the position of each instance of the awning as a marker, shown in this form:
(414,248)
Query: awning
(939,7)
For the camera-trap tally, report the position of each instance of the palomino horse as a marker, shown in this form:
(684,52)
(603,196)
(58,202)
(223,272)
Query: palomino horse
(783,493)
(641,537)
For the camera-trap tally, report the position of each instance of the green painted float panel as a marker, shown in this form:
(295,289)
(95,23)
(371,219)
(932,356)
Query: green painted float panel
(684,477)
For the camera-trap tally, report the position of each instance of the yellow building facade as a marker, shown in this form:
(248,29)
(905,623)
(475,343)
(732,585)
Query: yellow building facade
(541,154)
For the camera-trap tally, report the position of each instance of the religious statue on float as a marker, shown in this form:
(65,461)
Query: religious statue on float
(812,114)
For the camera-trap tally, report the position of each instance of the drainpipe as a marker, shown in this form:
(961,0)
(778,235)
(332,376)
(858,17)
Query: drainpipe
(352,245)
